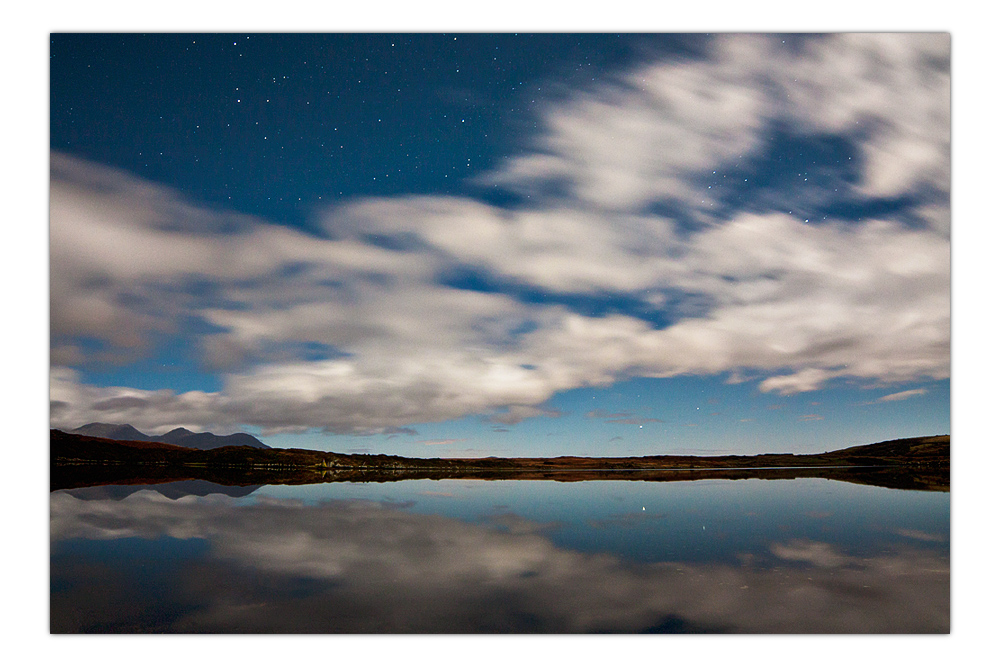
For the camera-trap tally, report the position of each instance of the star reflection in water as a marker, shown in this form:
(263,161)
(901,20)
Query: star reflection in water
(213,563)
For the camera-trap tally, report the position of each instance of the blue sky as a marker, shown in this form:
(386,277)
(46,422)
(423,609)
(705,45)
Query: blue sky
(462,244)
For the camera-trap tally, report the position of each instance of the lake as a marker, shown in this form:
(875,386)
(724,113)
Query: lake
(474,556)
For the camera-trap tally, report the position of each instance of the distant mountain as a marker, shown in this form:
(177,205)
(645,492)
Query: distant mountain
(179,436)
(185,438)
(112,432)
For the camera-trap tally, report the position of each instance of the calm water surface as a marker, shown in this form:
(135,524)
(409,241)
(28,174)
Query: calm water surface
(460,556)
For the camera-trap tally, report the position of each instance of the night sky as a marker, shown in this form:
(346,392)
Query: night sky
(516,244)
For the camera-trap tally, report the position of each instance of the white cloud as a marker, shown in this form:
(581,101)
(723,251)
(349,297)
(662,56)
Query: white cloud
(808,379)
(446,441)
(74,404)
(903,395)
(639,140)
(795,303)
(893,90)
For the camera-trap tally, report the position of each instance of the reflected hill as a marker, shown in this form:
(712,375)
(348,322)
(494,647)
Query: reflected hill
(81,461)
(173,490)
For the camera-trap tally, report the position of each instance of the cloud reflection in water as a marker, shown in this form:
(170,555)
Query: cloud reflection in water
(362,566)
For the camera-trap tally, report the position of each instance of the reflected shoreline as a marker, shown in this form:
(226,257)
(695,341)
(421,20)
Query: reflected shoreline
(80,476)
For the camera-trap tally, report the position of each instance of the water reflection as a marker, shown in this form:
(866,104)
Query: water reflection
(174,490)
(147,563)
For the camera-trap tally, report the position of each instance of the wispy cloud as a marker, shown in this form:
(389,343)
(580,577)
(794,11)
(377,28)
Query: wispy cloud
(903,395)
(447,441)
(604,414)
(921,535)
(515,414)
(621,417)
(635,420)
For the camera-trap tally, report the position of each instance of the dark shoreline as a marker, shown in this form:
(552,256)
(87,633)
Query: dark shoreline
(81,461)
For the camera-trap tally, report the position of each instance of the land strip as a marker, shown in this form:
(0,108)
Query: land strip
(911,463)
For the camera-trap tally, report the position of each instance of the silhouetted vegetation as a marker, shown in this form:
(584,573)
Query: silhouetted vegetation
(77,461)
